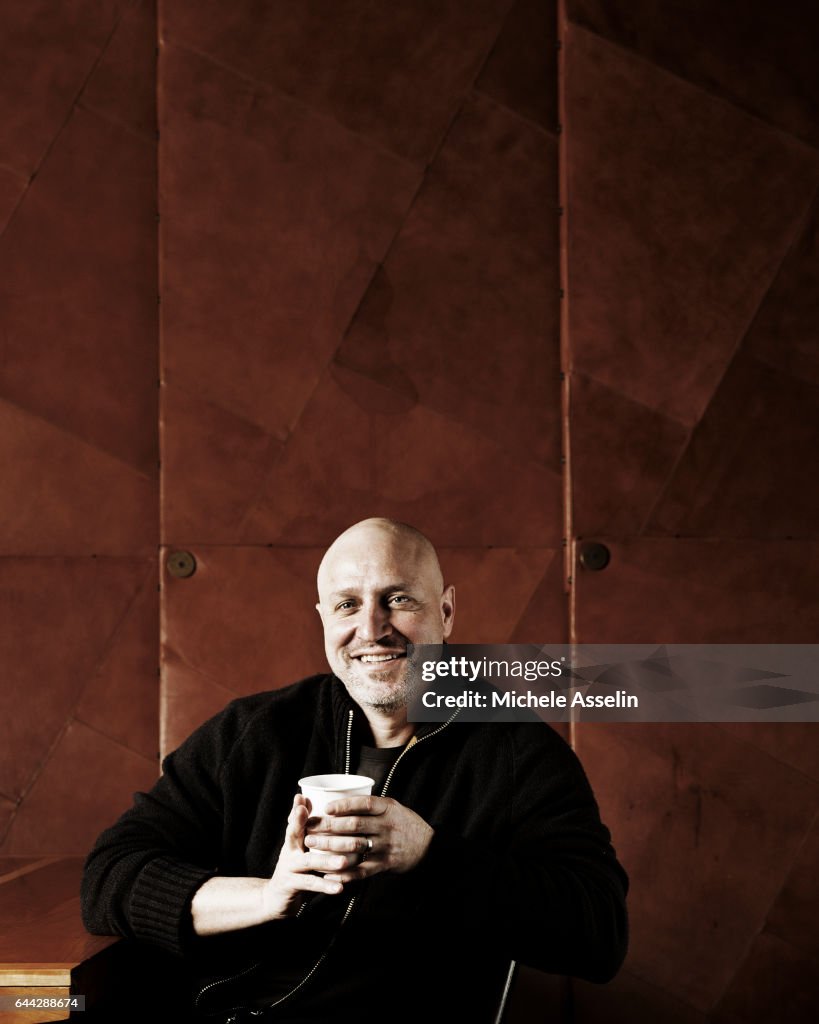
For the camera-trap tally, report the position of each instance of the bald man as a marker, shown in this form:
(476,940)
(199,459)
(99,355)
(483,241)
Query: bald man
(482,843)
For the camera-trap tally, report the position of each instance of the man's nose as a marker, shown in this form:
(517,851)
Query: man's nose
(373,622)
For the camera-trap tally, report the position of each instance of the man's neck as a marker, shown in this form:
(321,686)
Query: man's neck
(389,730)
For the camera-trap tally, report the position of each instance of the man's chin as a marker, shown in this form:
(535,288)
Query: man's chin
(387,694)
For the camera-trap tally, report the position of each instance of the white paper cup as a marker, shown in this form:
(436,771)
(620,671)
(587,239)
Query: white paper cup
(321,790)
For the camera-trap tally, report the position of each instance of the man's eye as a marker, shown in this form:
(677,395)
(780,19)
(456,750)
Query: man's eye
(345,606)
(399,597)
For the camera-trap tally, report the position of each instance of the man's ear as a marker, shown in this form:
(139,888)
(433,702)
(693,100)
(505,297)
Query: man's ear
(448,610)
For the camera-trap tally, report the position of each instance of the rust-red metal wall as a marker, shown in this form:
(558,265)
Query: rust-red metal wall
(690,179)
(359,317)
(78,422)
(359,268)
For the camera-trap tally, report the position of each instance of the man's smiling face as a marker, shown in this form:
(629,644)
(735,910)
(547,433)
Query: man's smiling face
(380,589)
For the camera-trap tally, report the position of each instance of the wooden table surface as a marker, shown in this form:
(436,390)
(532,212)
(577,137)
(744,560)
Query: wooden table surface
(41,933)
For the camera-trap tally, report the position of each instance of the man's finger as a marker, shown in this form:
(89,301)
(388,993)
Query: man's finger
(317,883)
(296,822)
(364,826)
(337,844)
(359,805)
(364,870)
(318,861)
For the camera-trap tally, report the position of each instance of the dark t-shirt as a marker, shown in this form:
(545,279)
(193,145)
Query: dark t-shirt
(376,762)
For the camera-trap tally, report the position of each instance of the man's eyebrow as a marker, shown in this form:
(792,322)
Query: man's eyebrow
(354,592)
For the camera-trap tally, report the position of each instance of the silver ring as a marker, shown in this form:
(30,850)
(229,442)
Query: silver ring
(369,845)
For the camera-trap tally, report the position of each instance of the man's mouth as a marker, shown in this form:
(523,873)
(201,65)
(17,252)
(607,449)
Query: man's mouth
(376,659)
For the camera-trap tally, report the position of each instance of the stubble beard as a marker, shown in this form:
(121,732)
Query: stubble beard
(384,692)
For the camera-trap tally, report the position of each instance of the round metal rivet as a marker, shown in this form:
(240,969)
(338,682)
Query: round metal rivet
(594,556)
(181,564)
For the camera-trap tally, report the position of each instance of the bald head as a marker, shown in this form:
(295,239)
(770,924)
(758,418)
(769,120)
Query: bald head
(371,534)
(380,589)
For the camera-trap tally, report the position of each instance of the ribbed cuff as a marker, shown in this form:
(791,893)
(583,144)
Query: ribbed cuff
(161,899)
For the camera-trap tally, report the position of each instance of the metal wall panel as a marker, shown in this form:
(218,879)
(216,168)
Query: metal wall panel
(691,174)
(359,317)
(78,434)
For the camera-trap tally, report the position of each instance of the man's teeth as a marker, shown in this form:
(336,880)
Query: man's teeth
(378,657)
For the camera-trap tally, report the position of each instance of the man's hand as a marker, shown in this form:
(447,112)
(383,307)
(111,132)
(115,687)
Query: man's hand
(292,876)
(356,838)
(376,832)
(225,903)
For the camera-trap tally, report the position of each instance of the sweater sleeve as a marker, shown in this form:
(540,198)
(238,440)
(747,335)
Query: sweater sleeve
(550,888)
(142,873)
